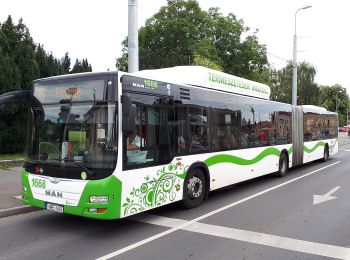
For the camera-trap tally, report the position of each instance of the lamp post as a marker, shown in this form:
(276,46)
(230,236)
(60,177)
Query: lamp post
(337,100)
(336,104)
(347,114)
(133,40)
(295,65)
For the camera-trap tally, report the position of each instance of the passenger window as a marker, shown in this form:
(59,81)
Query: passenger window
(153,140)
(198,122)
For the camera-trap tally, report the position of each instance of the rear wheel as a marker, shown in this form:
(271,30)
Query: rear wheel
(194,188)
(325,154)
(283,165)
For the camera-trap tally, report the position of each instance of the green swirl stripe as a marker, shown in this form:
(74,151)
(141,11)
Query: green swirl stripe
(320,143)
(226,158)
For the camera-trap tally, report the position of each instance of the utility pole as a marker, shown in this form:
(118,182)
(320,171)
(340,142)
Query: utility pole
(295,63)
(133,37)
(347,114)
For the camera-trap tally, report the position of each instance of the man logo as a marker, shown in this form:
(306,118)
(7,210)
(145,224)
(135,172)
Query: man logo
(54,180)
(56,194)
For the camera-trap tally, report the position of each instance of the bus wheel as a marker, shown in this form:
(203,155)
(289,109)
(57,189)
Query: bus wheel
(283,165)
(325,154)
(194,189)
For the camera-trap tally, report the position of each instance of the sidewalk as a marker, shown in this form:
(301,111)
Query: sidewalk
(10,190)
(10,186)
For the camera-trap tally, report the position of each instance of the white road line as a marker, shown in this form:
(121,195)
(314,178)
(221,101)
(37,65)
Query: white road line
(251,237)
(182,226)
(19,197)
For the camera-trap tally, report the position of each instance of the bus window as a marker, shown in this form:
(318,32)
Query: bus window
(152,143)
(181,130)
(198,123)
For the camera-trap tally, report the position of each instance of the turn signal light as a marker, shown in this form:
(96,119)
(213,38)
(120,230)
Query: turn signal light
(102,210)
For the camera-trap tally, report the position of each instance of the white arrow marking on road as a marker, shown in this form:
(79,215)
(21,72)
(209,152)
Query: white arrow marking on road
(328,196)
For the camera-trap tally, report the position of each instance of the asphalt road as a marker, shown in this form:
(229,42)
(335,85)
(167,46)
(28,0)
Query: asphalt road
(266,218)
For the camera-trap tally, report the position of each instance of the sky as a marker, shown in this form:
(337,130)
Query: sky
(95,29)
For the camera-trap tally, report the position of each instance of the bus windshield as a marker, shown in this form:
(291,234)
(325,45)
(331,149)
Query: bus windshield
(74,139)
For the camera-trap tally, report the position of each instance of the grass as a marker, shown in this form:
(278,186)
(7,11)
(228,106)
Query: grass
(5,166)
(14,156)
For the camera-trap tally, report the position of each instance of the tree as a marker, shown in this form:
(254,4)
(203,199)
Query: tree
(334,98)
(243,57)
(181,33)
(21,62)
(81,66)
(281,84)
(65,61)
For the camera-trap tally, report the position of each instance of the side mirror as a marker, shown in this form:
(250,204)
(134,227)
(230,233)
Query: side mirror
(129,114)
(10,96)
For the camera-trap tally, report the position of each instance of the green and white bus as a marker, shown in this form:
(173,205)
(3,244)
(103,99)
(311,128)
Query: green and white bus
(110,145)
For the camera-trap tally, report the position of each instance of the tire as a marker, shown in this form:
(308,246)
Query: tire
(283,165)
(325,154)
(194,189)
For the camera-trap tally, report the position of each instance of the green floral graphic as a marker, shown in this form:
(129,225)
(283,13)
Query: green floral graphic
(156,191)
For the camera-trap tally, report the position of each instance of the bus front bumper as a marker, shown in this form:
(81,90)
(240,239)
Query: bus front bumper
(110,186)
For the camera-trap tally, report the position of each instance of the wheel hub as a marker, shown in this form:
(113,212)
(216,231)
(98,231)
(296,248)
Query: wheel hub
(194,187)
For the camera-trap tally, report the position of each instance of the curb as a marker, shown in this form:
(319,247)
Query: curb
(17,211)
(9,161)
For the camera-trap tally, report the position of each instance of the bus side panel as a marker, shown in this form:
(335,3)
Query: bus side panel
(227,168)
(314,150)
(151,187)
(333,146)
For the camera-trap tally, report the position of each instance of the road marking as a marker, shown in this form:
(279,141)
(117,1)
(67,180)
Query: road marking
(19,197)
(323,198)
(250,237)
(183,225)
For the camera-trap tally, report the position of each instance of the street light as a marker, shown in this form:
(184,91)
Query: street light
(347,113)
(133,34)
(337,102)
(295,65)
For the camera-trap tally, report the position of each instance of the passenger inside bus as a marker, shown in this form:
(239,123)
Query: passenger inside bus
(228,140)
(181,144)
(133,143)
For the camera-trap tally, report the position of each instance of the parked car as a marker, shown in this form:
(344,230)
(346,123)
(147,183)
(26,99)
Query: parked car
(345,128)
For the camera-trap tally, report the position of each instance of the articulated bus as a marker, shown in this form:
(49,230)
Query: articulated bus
(110,145)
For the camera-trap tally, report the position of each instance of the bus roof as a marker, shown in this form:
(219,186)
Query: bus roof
(204,77)
(312,108)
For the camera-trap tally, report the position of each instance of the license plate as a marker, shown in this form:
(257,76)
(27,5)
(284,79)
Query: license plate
(54,207)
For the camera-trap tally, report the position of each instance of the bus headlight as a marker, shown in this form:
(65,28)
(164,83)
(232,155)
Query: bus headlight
(24,188)
(98,199)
